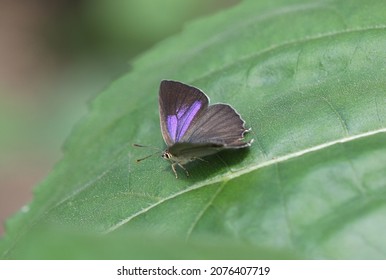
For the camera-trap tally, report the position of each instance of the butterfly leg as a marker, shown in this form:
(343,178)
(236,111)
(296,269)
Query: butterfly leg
(180,165)
(174,170)
(200,159)
(186,171)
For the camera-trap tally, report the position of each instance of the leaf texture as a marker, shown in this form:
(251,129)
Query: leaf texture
(307,76)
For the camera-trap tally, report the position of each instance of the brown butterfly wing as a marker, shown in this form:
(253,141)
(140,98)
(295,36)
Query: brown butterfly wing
(180,106)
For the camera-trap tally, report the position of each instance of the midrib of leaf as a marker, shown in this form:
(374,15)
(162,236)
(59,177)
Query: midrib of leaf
(234,174)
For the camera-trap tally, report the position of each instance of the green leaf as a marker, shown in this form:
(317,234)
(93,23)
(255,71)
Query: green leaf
(56,243)
(307,76)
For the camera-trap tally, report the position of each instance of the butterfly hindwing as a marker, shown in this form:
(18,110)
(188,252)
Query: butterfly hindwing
(219,124)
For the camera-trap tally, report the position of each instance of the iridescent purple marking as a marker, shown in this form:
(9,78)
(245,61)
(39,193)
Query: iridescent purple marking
(172,126)
(177,125)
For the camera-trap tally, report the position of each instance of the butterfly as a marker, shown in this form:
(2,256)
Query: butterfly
(192,129)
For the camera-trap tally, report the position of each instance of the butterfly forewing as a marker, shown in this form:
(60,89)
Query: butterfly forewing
(180,106)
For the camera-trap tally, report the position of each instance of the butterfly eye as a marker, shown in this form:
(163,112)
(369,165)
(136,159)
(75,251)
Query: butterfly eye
(166,155)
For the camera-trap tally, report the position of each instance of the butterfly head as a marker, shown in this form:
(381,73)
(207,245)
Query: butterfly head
(175,160)
(167,155)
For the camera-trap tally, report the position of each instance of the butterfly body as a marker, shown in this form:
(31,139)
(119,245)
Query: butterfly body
(192,129)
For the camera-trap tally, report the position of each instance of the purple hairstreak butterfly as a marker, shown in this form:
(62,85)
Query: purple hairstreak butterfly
(192,129)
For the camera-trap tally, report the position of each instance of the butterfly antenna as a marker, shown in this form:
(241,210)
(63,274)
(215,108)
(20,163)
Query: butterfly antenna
(143,146)
(141,159)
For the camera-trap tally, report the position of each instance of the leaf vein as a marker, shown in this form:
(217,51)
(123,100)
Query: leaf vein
(272,48)
(339,115)
(205,208)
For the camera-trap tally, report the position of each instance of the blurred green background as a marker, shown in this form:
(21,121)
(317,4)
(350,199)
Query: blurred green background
(57,54)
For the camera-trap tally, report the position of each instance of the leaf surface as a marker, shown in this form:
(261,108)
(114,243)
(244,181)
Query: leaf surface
(309,79)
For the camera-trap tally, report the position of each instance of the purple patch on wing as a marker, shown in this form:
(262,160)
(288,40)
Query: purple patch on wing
(172,126)
(178,124)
